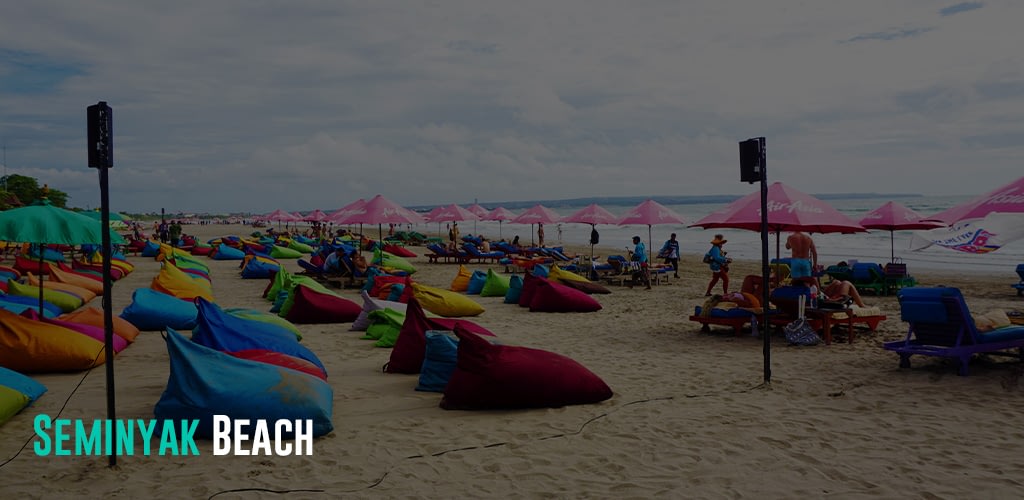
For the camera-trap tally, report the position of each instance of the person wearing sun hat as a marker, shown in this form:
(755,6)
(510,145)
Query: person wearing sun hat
(719,263)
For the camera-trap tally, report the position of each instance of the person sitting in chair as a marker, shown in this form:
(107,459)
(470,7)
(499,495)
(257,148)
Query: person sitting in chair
(333,264)
(838,290)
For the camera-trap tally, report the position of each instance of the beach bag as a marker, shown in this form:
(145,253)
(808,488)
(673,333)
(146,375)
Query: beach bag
(707,258)
(800,332)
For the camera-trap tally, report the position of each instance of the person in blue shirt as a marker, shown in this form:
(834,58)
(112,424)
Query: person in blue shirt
(719,264)
(333,264)
(639,254)
(670,252)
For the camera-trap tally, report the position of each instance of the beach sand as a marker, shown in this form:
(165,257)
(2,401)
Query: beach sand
(690,417)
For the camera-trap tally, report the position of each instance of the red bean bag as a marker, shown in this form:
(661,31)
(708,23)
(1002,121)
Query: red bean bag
(382,284)
(529,287)
(201,250)
(490,376)
(280,359)
(556,297)
(410,348)
(399,251)
(312,306)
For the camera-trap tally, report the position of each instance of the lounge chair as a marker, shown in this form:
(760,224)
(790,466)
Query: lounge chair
(839,273)
(439,252)
(475,253)
(897,278)
(941,325)
(1020,286)
(869,276)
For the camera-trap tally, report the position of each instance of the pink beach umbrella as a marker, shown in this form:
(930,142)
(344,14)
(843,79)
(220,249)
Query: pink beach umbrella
(650,212)
(500,214)
(538,214)
(592,214)
(1008,198)
(893,216)
(339,214)
(280,216)
(480,212)
(315,216)
(788,210)
(380,210)
(450,213)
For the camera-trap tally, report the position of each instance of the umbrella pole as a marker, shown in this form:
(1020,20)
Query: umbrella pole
(499,230)
(592,274)
(892,247)
(41,281)
(650,246)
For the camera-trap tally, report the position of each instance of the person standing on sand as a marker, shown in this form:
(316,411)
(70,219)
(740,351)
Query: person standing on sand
(805,255)
(670,252)
(540,234)
(719,264)
(639,255)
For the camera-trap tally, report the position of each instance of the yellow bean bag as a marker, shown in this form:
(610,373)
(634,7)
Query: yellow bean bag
(31,346)
(461,281)
(177,283)
(66,301)
(84,293)
(561,275)
(445,302)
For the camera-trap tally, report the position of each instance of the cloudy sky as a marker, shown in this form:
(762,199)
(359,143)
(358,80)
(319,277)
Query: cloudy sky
(251,105)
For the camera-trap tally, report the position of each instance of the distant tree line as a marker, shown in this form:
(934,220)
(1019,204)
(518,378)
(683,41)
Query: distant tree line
(17,190)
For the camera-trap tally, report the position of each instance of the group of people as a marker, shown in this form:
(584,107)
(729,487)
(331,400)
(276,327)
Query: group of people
(803,261)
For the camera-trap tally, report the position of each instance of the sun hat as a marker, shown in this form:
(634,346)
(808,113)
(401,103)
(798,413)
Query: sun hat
(718,240)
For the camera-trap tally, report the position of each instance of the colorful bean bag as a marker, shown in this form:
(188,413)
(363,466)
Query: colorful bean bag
(254,315)
(300,247)
(151,310)
(392,261)
(72,278)
(257,268)
(385,325)
(281,280)
(314,306)
(66,301)
(225,252)
(379,285)
(445,302)
(24,265)
(515,288)
(560,275)
(116,273)
(530,282)
(461,281)
(152,249)
(16,392)
(439,361)
(93,316)
(587,287)
(556,297)
(371,304)
(282,360)
(399,251)
(93,332)
(495,285)
(476,282)
(176,283)
(407,356)
(294,281)
(84,293)
(490,376)
(204,382)
(201,249)
(30,346)
(17,305)
(280,252)
(219,330)
(185,262)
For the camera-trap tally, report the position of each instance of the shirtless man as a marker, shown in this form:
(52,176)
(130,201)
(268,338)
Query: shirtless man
(805,256)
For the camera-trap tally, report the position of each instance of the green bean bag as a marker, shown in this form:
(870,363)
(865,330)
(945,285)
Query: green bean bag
(495,285)
(66,301)
(392,261)
(280,252)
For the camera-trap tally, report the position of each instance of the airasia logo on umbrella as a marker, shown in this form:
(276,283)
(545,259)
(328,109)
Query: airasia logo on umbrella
(794,206)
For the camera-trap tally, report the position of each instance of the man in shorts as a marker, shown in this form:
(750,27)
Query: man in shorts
(805,256)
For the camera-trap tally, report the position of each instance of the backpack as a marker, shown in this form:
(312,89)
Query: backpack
(707,258)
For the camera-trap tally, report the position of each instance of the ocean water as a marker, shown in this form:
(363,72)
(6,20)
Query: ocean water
(873,246)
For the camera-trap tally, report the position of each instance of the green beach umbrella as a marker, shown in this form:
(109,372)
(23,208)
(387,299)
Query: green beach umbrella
(42,223)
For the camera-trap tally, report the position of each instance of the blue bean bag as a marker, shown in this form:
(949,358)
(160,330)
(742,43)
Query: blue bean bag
(16,392)
(515,288)
(476,282)
(151,310)
(204,382)
(438,361)
(225,252)
(257,268)
(219,330)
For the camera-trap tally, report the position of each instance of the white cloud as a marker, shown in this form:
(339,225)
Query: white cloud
(236,105)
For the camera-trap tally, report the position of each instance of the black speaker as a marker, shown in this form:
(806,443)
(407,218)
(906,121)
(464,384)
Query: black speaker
(99,131)
(751,159)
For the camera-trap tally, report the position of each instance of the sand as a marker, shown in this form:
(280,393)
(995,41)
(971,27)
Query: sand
(690,416)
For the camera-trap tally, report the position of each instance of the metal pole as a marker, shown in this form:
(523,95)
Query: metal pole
(765,273)
(108,314)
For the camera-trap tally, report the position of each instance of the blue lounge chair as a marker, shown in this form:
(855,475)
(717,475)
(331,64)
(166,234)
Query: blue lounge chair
(475,253)
(1020,286)
(869,276)
(439,252)
(941,325)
